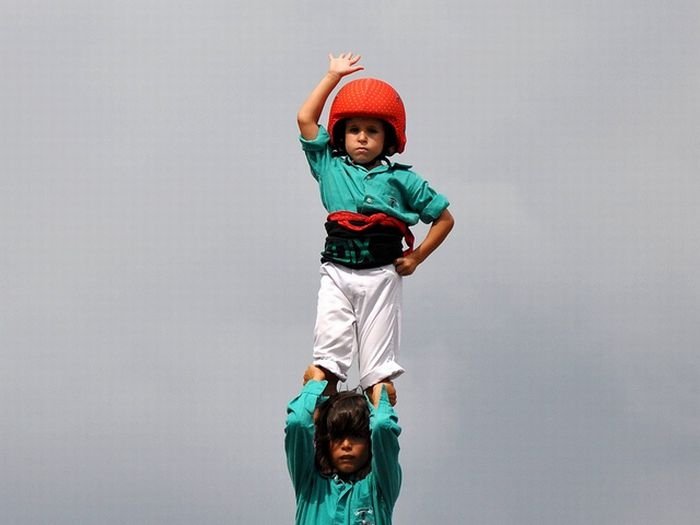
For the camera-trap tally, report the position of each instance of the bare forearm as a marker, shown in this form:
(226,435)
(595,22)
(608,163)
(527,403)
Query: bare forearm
(311,109)
(437,233)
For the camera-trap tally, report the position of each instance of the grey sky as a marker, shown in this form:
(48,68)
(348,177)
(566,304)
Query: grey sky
(161,233)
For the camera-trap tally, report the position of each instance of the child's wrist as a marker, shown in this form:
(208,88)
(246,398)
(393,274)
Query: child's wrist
(417,257)
(334,76)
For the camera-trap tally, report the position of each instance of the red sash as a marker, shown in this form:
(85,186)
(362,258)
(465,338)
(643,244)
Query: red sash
(359,222)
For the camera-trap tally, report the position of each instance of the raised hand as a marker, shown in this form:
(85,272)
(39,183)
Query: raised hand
(314,373)
(375,392)
(344,64)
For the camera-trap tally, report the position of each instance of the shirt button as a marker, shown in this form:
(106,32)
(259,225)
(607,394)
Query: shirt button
(368,199)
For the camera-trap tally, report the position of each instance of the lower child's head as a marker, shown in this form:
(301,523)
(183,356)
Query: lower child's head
(342,436)
(368,98)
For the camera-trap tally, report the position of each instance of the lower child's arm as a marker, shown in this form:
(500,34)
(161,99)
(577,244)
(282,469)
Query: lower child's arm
(385,430)
(299,433)
(438,232)
(375,392)
(316,373)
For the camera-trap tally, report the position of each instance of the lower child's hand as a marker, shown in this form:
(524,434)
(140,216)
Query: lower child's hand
(314,373)
(375,392)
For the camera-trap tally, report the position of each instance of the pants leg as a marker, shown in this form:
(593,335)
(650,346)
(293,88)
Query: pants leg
(359,311)
(335,333)
(378,311)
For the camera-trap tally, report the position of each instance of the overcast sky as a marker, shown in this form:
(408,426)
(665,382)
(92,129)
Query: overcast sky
(160,235)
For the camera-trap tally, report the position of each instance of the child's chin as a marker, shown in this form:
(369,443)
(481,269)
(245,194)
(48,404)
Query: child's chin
(364,160)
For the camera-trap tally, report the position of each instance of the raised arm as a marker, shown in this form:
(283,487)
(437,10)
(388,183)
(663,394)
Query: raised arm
(438,232)
(299,431)
(310,111)
(385,430)
(374,393)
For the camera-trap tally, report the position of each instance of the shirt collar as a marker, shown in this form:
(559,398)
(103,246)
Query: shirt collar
(385,165)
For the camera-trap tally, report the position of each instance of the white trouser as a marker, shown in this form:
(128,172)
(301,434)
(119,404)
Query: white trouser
(359,311)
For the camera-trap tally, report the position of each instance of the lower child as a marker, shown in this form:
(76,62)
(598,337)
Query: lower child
(342,454)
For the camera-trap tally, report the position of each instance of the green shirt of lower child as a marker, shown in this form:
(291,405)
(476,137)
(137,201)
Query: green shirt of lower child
(342,455)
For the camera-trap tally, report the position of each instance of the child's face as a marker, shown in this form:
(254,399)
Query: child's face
(364,140)
(349,454)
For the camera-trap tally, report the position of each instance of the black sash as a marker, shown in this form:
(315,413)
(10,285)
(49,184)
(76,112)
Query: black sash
(375,246)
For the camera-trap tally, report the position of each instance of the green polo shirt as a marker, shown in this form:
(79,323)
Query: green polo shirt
(390,188)
(323,500)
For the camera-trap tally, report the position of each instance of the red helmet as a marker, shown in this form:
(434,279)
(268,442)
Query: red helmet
(370,97)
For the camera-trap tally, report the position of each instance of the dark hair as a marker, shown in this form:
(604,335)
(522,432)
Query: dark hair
(338,139)
(341,415)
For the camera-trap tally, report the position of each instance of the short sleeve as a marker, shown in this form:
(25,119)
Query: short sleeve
(428,203)
(318,152)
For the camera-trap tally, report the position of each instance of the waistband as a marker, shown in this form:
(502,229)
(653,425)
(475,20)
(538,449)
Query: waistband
(359,222)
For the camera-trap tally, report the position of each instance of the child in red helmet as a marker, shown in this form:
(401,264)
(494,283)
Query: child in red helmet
(371,203)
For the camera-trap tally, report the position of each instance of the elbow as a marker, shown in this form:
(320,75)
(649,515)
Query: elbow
(304,118)
(448,217)
(297,427)
(297,420)
(446,220)
(384,425)
(307,125)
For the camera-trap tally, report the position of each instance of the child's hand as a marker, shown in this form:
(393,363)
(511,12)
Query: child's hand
(406,265)
(375,392)
(437,233)
(344,64)
(314,373)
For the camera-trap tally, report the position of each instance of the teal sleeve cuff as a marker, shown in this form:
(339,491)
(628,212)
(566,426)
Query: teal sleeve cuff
(434,209)
(314,387)
(317,144)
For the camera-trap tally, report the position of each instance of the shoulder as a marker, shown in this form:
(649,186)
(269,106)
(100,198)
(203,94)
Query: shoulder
(404,175)
(400,167)
(404,171)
